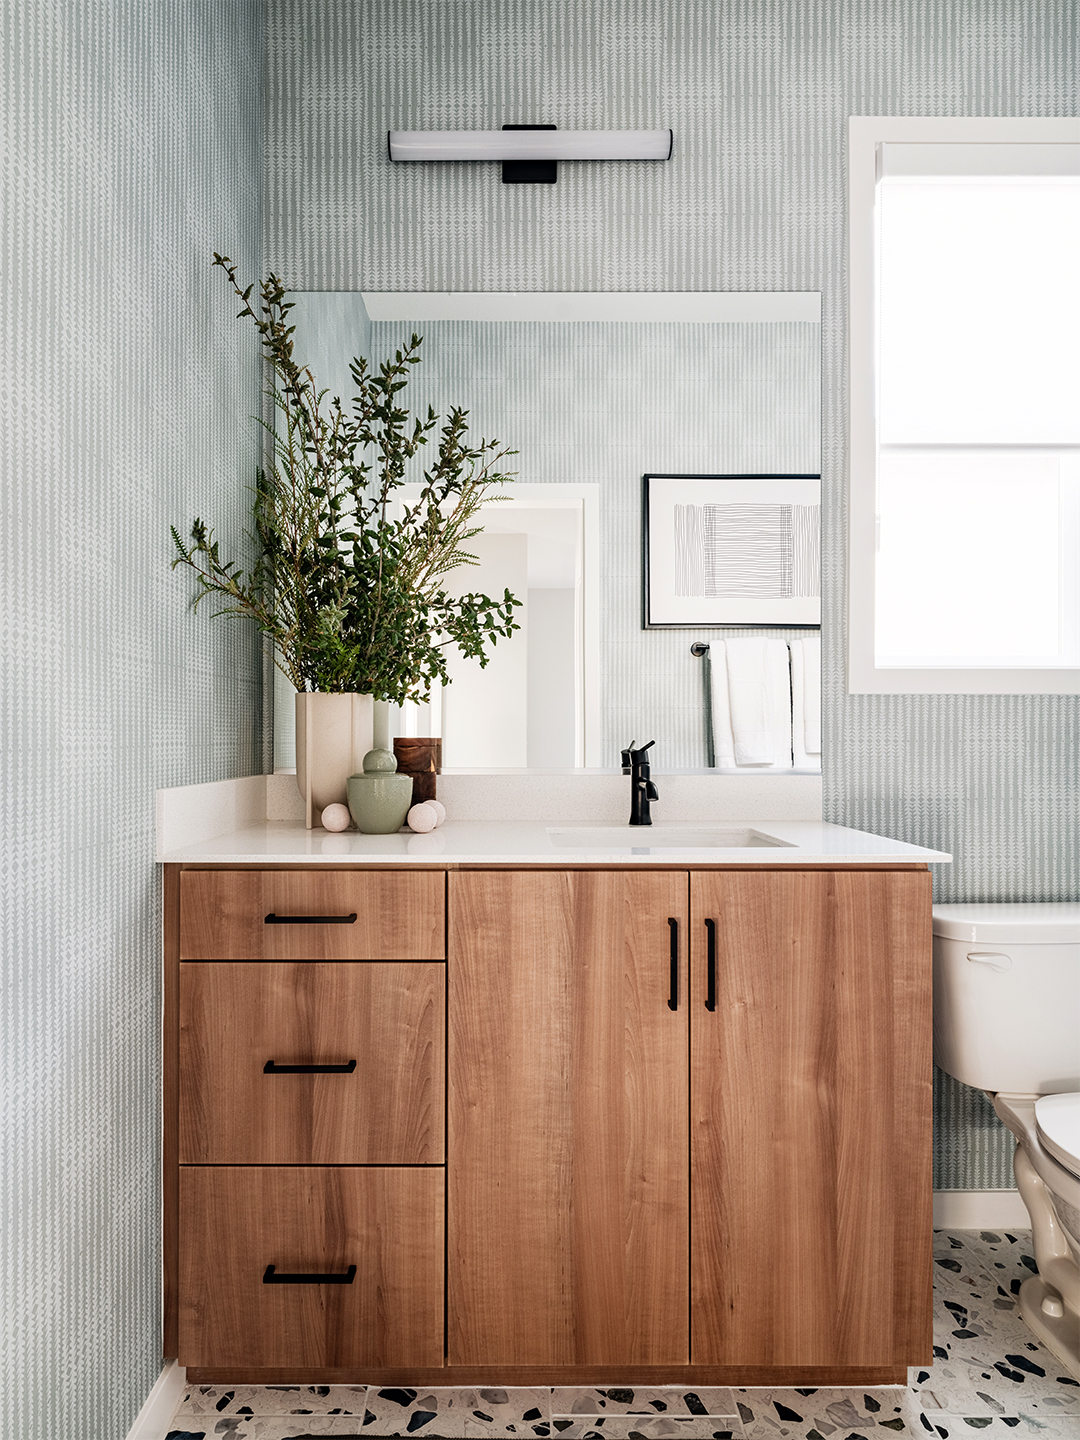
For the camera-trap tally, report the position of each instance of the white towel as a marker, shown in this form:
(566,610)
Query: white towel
(751,704)
(806,703)
(723,740)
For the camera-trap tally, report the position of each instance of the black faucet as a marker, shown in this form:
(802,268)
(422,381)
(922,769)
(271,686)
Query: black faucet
(642,789)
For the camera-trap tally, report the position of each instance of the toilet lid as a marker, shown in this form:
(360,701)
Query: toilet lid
(1054,923)
(1057,1119)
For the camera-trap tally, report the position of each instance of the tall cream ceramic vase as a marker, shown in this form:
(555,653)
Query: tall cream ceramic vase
(333,734)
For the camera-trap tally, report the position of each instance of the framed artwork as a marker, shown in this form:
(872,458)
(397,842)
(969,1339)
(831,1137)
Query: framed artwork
(731,550)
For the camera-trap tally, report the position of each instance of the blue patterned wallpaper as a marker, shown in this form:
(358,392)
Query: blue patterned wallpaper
(132,151)
(758,93)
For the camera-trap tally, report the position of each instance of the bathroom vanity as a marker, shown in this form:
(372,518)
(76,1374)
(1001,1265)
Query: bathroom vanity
(548,1105)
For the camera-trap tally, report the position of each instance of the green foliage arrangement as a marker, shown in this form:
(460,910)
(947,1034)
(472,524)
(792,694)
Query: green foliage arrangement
(351,593)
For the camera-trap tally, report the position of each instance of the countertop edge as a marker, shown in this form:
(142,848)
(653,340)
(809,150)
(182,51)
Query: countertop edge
(671,859)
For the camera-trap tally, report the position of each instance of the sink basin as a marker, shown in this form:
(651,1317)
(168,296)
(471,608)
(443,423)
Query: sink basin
(659,837)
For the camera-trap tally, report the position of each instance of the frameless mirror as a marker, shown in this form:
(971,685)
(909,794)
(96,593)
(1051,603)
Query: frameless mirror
(593,391)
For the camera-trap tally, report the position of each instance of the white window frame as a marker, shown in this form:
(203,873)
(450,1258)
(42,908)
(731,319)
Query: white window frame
(865,134)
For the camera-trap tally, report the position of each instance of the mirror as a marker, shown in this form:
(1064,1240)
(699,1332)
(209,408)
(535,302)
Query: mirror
(593,391)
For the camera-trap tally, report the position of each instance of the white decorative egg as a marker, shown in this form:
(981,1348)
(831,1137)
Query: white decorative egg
(336,817)
(439,808)
(422,817)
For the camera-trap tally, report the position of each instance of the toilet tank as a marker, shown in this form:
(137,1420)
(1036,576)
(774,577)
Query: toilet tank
(1007,996)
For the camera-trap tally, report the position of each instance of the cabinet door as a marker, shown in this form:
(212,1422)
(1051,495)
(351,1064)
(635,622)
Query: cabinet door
(811,1119)
(308,1062)
(567,1151)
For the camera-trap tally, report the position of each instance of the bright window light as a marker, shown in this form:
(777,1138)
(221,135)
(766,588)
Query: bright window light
(979,310)
(975,553)
(964,402)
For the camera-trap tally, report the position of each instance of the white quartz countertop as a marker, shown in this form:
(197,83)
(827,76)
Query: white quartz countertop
(492,842)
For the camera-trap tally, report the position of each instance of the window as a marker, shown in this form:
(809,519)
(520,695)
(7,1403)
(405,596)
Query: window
(964,568)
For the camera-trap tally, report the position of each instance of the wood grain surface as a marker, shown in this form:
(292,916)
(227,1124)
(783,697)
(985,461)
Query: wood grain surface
(811,1120)
(170,1090)
(389,1018)
(399,915)
(591,1375)
(567,1175)
(236,1220)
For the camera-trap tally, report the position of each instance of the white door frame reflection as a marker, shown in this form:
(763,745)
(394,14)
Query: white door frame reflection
(536,705)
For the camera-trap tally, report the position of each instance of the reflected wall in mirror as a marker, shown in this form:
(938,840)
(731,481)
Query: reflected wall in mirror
(593,391)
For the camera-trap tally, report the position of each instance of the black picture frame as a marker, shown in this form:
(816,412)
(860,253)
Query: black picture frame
(649,620)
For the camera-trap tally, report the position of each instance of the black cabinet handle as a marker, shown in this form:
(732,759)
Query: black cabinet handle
(271,1278)
(710,966)
(311,919)
(273,1068)
(673,997)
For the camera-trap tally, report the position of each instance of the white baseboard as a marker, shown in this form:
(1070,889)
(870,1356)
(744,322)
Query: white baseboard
(980,1210)
(154,1420)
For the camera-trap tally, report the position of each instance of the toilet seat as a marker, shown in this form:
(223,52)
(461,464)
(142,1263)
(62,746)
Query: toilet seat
(1057,1120)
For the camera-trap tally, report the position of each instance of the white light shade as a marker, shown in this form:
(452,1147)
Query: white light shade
(530,144)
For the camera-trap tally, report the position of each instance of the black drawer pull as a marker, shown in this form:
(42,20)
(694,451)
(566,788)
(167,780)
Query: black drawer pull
(673,996)
(273,1068)
(710,966)
(311,919)
(270,1278)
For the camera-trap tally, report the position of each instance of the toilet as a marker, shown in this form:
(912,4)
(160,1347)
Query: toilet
(1007,1021)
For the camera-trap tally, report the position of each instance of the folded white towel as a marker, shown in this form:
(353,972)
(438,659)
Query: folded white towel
(751,704)
(806,703)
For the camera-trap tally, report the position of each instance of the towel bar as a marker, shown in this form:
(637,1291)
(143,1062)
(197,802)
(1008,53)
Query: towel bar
(700,649)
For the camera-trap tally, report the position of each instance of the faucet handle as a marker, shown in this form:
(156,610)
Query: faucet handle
(631,755)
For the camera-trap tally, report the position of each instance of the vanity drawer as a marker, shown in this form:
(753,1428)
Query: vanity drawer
(386,1020)
(312,915)
(311,1222)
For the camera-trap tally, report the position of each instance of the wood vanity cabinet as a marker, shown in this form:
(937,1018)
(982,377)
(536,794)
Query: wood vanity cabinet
(568,1187)
(305,1022)
(810,1085)
(687,1125)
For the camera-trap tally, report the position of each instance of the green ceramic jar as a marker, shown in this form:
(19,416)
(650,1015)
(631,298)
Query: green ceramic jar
(380,799)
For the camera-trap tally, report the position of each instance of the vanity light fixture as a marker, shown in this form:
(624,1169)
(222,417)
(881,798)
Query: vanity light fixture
(530,153)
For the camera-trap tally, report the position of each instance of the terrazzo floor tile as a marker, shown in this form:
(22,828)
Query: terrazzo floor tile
(642,1400)
(822,1413)
(404,1411)
(998,1427)
(515,1410)
(272,1400)
(986,1361)
(645,1427)
(273,1427)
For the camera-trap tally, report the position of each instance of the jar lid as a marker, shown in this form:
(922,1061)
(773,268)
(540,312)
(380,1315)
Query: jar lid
(380,762)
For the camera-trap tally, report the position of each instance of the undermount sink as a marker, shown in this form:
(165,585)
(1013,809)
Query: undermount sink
(659,837)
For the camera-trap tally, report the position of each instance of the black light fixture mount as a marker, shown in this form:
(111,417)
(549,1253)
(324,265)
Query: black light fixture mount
(530,172)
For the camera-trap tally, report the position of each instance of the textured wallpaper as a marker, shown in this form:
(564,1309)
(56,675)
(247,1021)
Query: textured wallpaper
(131,152)
(758,93)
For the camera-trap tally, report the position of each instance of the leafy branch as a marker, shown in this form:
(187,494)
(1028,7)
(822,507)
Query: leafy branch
(351,593)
